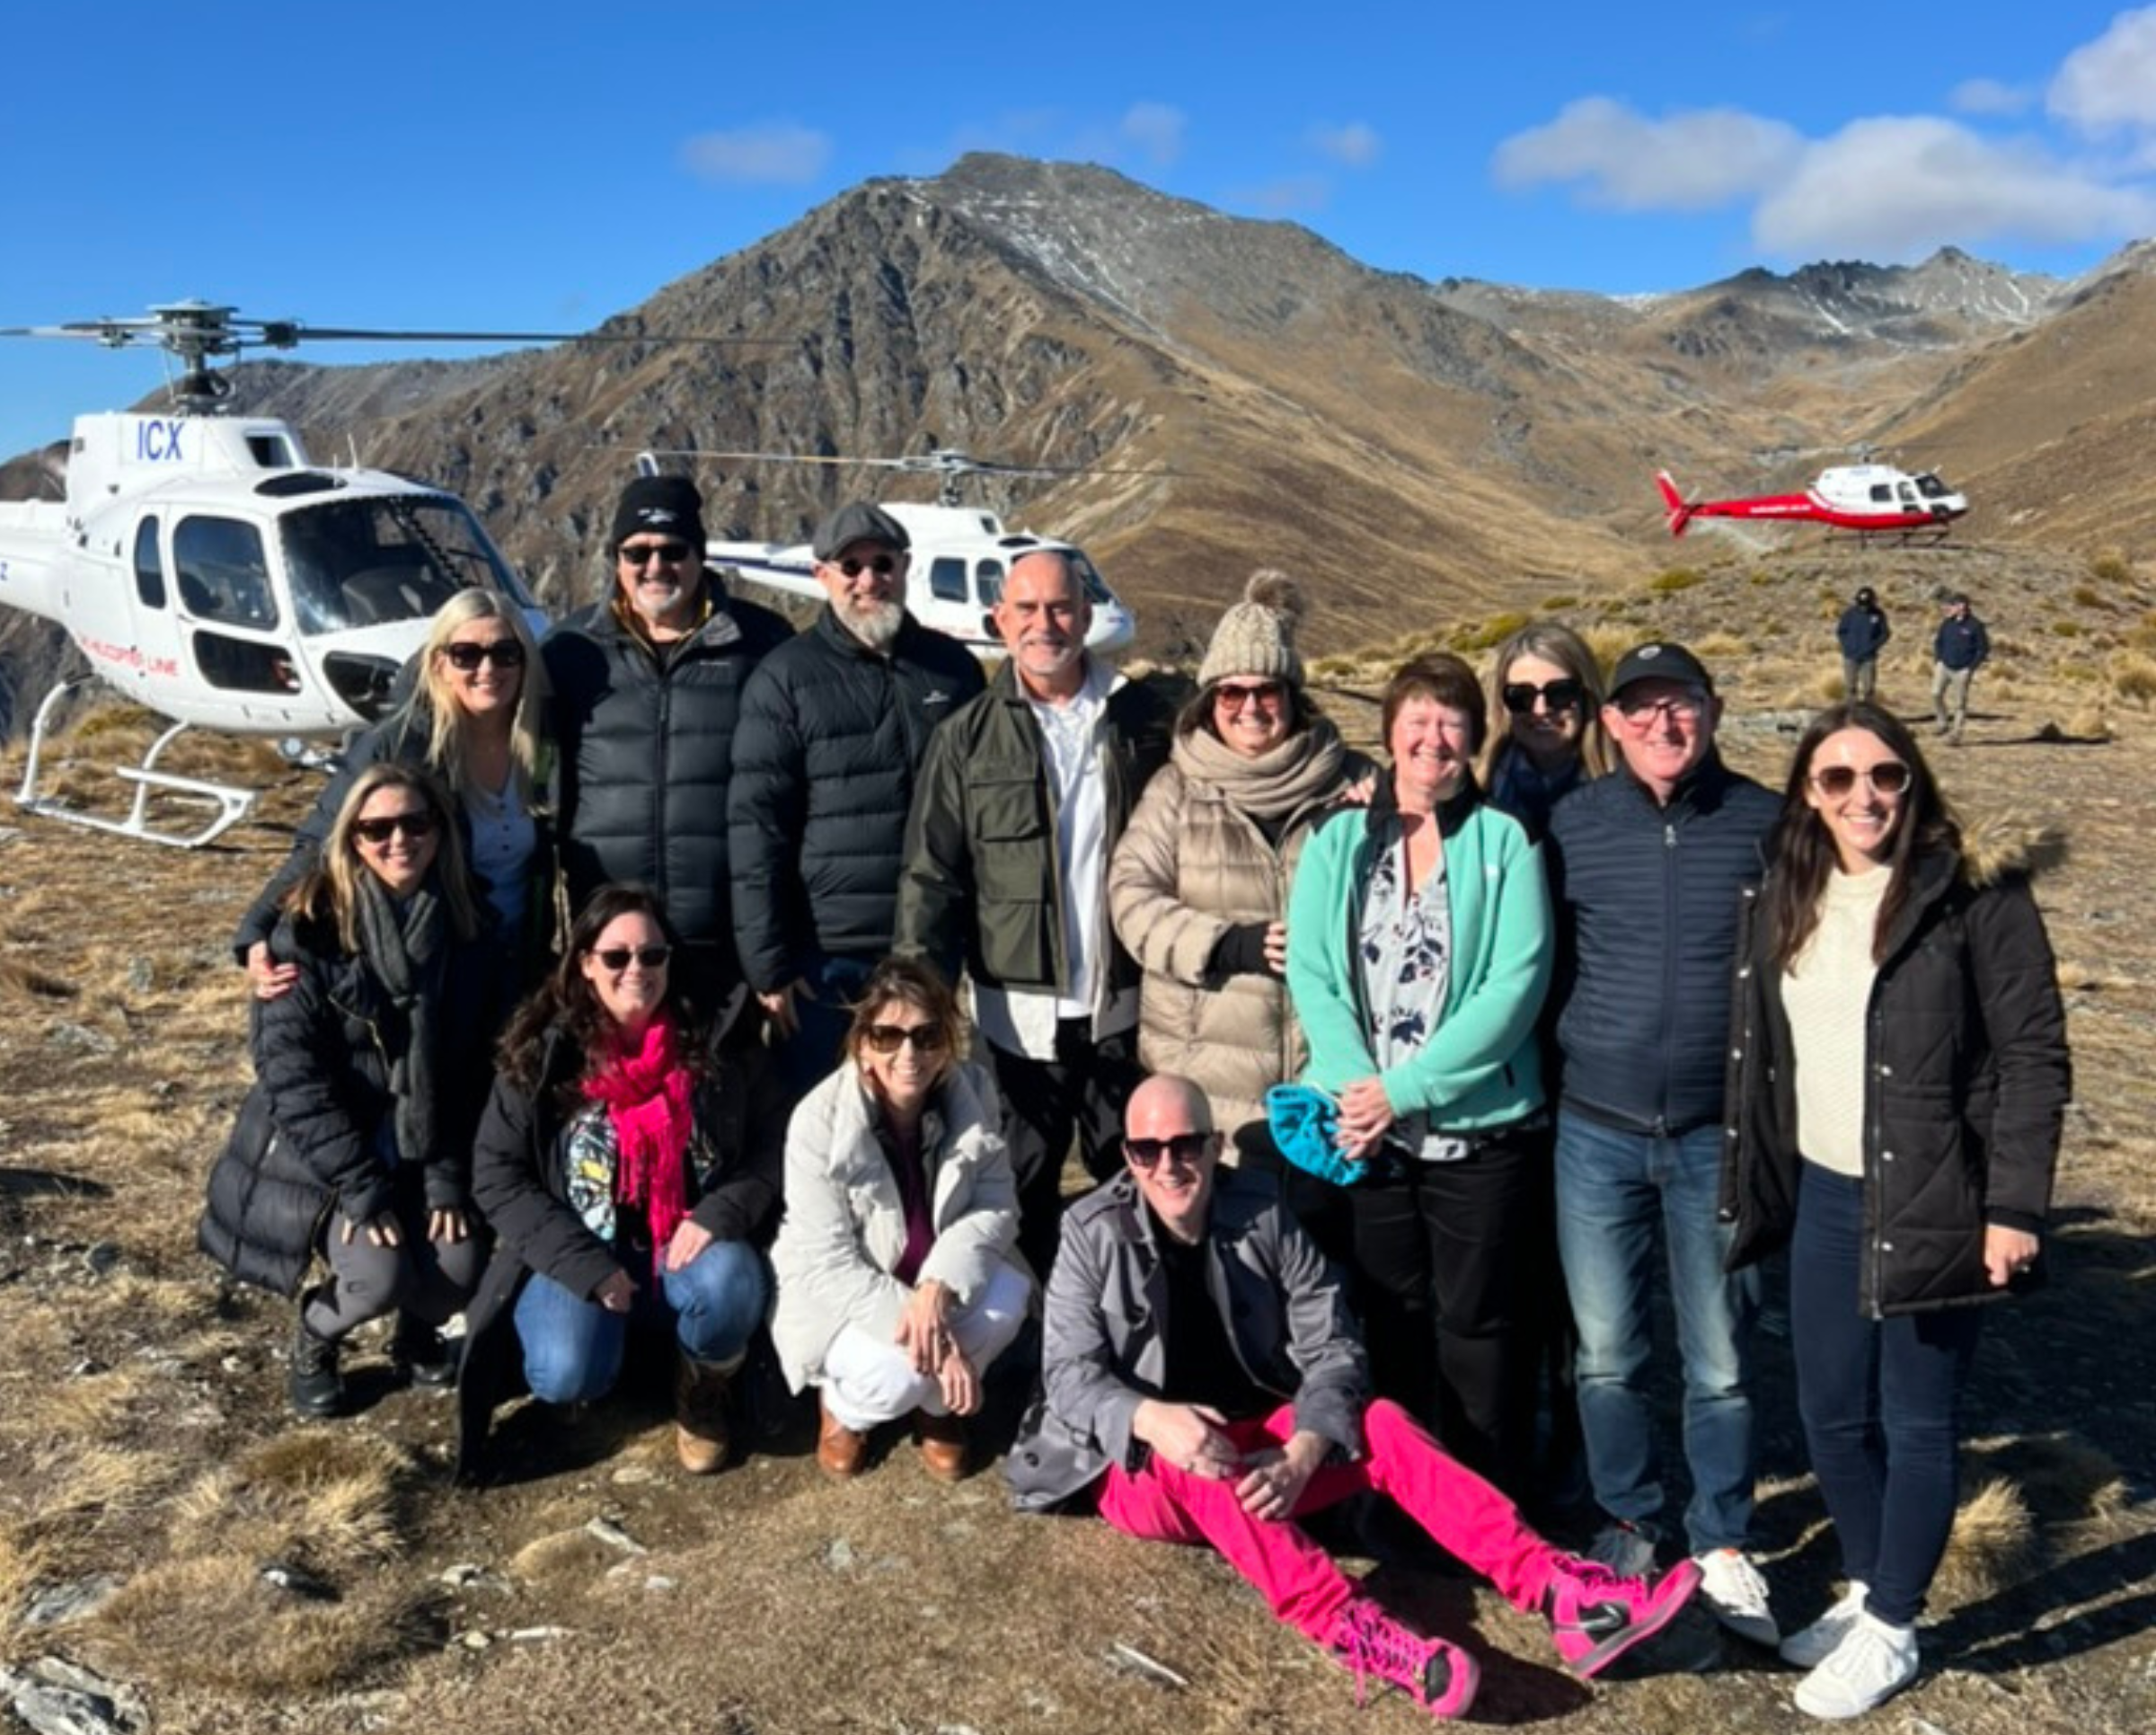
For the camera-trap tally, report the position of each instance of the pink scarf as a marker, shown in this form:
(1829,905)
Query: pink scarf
(646,1091)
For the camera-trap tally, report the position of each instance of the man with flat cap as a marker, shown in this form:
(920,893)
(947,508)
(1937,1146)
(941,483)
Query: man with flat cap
(833,727)
(647,685)
(1649,867)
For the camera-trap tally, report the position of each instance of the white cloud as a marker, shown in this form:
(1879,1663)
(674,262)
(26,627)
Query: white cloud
(1897,188)
(1355,145)
(1620,160)
(778,151)
(1988,96)
(1155,129)
(2110,84)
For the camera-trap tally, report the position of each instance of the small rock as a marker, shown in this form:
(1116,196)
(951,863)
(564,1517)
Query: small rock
(470,1575)
(71,1602)
(474,1640)
(628,1475)
(102,1256)
(141,976)
(607,1531)
(288,1575)
(839,1556)
(540,1634)
(78,1038)
(660,1583)
(57,1697)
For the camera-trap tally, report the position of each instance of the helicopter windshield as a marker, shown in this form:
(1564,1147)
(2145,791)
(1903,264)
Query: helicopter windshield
(371,561)
(1931,488)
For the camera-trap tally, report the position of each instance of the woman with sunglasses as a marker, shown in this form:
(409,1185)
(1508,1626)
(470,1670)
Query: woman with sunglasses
(355,1142)
(1418,953)
(475,719)
(1197,888)
(628,1165)
(1548,686)
(897,1284)
(1898,1083)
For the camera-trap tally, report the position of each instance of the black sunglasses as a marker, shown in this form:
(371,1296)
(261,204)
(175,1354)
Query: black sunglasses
(881,565)
(618,958)
(414,825)
(887,1038)
(1186,1148)
(503,654)
(1889,777)
(669,553)
(1559,696)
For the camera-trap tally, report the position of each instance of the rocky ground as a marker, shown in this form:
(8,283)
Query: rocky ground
(202,1563)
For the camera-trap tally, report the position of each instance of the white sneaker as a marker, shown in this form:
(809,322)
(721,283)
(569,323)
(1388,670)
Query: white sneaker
(1872,1663)
(1730,1586)
(1815,1643)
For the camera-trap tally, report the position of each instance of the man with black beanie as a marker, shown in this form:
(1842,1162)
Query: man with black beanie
(647,686)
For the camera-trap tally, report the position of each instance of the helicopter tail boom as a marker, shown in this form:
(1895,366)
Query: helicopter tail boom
(1679,512)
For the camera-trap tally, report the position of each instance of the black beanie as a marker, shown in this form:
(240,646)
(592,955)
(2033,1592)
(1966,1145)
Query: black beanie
(668,504)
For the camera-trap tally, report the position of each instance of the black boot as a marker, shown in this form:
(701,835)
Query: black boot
(420,1355)
(312,1382)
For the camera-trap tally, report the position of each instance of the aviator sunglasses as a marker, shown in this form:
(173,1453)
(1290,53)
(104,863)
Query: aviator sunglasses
(1889,777)
(1566,694)
(1185,1149)
(667,554)
(1259,693)
(503,654)
(881,565)
(618,958)
(887,1038)
(414,825)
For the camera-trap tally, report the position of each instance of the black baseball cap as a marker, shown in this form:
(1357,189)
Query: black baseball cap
(858,521)
(1660,660)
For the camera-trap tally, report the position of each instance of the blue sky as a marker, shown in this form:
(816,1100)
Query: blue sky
(477,165)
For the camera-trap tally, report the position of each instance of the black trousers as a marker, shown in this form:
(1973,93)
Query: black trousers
(1078,1095)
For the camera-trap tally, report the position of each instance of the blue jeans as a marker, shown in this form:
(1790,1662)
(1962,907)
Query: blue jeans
(1613,1188)
(573,1348)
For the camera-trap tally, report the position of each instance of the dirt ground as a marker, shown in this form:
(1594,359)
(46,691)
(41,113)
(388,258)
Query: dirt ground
(258,1574)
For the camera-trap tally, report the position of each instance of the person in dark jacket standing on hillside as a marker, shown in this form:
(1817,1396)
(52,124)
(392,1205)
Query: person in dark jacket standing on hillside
(1648,865)
(1862,632)
(833,729)
(1022,798)
(1959,647)
(1898,1082)
(646,688)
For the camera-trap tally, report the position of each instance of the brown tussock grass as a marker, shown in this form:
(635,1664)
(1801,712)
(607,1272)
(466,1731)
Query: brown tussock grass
(23,1562)
(85,1407)
(20,979)
(1994,1545)
(94,1484)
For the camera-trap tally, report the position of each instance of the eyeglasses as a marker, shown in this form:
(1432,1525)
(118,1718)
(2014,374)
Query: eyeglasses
(881,565)
(1186,1148)
(1640,712)
(416,827)
(1889,777)
(1566,695)
(503,654)
(1261,693)
(618,958)
(889,1039)
(667,554)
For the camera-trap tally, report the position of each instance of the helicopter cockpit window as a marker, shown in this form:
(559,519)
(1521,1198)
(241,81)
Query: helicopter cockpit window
(1908,495)
(149,566)
(1931,487)
(1096,586)
(988,583)
(947,578)
(370,561)
(222,573)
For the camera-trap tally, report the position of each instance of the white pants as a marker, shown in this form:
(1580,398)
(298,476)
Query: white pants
(867,1380)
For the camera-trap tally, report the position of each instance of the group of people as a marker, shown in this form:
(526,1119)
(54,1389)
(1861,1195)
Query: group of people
(612,988)
(1960,645)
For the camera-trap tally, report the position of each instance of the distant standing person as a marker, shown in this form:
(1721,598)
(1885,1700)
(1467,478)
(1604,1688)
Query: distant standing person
(1958,649)
(648,687)
(1863,631)
(834,726)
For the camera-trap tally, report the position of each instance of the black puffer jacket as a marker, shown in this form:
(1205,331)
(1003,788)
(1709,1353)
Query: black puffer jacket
(737,1161)
(1966,1080)
(308,1139)
(1647,900)
(830,738)
(646,737)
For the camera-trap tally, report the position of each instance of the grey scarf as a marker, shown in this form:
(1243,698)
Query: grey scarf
(1309,766)
(404,949)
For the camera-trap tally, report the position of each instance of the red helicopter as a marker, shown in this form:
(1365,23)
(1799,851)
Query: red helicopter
(1867,498)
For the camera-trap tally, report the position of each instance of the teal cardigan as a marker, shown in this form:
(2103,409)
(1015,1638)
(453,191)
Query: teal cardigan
(1481,1066)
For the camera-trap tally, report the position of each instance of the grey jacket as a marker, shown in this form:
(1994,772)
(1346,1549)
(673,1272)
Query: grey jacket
(1102,1349)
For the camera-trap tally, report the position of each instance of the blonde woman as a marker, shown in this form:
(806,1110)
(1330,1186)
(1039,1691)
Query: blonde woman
(1548,688)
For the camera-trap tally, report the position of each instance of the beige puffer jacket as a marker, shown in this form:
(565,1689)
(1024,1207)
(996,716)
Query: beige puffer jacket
(1191,866)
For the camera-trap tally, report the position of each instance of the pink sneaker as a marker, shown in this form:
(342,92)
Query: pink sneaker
(1442,1677)
(1595,1616)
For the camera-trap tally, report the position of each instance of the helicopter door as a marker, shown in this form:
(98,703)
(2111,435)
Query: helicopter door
(221,577)
(156,631)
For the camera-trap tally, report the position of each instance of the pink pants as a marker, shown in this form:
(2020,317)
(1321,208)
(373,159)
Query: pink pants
(1296,1577)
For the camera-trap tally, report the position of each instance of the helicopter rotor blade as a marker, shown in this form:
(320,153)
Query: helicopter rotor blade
(283,334)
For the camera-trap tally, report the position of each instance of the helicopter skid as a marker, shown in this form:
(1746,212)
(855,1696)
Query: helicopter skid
(228,806)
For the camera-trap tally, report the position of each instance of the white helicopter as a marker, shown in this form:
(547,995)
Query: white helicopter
(208,571)
(960,553)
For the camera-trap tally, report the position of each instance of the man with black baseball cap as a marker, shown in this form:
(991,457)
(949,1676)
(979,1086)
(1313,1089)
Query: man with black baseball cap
(833,729)
(1649,867)
(647,685)
(1862,632)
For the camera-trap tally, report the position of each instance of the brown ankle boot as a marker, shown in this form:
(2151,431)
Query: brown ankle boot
(943,1439)
(840,1450)
(701,1436)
